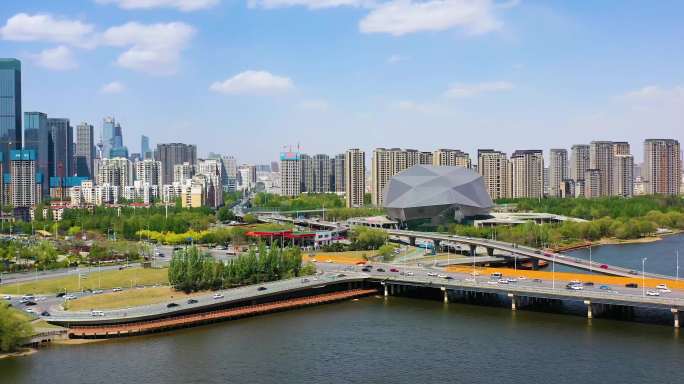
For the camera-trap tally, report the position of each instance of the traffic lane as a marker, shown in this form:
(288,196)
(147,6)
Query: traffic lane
(204,300)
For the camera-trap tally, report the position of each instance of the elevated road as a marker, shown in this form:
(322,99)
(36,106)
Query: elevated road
(552,257)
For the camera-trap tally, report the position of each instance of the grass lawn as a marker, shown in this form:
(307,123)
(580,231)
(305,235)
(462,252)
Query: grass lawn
(95,280)
(130,298)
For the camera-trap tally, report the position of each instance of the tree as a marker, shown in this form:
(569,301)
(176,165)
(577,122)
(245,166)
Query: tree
(386,251)
(250,219)
(14,329)
(225,214)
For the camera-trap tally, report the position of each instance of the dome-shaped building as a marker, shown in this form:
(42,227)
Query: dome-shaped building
(438,193)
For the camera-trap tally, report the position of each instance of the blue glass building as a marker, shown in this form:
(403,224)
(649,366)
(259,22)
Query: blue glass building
(10,106)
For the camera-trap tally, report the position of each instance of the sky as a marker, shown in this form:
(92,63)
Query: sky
(251,77)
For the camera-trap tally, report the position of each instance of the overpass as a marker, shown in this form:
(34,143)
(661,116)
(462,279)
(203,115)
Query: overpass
(473,243)
(533,253)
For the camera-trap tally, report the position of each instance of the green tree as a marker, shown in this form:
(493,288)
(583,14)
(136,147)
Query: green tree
(14,329)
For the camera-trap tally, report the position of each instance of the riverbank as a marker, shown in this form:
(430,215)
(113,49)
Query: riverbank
(20,353)
(615,241)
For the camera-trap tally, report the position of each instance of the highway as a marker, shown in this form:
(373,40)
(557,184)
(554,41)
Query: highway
(331,273)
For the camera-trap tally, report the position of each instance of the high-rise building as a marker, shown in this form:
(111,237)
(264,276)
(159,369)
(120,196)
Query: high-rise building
(451,157)
(24,192)
(663,166)
(10,107)
(338,174)
(145,150)
(579,161)
(621,148)
(495,170)
(623,175)
(85,150)
(290,174)
(527,173)
(319,174)
(355,177)
(558,170)
(63,146)
(601,155)
(181,173)
(108,135)
(149,172)
(116,172)
(37,137)
(592,183)
(172,154)
(383,164)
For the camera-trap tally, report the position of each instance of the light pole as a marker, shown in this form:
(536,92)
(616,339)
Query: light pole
(553,273)
(643,276)
(677,273)
(590,259)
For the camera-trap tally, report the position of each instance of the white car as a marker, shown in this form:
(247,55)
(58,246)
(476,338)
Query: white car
(664,290)
(502,281)
(218,296)
(117,289)
(652,293)
(661,287)
(7,297)
(431,274)
(575,287)
(491,282)
(29,310)
(522,278)
(69,297)
(409,273)
(97,313)
(442,276)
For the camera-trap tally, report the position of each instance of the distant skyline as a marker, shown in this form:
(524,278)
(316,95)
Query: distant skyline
(249,77)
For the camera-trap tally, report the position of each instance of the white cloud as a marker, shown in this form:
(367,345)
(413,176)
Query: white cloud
(154,48)
(182,5)
(45,27)
(400,17)
(314,105)
(112,87)
(253,82)
(394,59)
(413,106)
(471,90)
(59,58)
(655,93)
(310,4)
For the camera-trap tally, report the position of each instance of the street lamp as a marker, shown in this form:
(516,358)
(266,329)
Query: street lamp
(643,276)
(553,273)
(590,259)
(677,273)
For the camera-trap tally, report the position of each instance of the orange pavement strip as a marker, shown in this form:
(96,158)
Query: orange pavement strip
(568,276)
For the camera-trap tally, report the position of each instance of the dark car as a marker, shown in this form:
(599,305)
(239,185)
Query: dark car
(537,280)
(45,313)
(61,294)
(366,269)
(588,284)
(380,270)
(171,305)
(262,289)
(30,303)
(192,301)
(633,272)
(632,285)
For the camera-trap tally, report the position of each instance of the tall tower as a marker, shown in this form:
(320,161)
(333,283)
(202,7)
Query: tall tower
(290,174)
(495,170)
(558,170)
(663,163)
(527,169)
(579,161)
(601,158)
(10,100)
(355,177)
(85,150)
(37,137)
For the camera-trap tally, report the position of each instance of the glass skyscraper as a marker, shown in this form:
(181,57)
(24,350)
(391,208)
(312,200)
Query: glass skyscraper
(10,107)
(62,134)
(145,151)
(37,137)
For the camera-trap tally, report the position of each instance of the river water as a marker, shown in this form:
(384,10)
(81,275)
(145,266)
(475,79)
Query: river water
(373,340)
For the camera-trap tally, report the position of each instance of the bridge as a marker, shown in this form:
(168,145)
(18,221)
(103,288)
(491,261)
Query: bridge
(473,243)
(336,280)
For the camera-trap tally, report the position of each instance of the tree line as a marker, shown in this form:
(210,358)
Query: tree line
(15,329)
(192,270)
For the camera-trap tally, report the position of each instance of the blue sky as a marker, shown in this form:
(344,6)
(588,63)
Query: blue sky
(248,77)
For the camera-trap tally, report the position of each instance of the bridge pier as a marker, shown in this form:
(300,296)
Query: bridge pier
(473,248)
(412,241)
(436,242)
(675,312)
(589,312)
(490,251)
(512,296)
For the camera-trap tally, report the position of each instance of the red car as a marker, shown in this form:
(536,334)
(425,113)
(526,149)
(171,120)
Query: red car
(394,270)
(604,266)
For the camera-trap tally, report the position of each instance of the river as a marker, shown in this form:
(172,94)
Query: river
(398,340)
